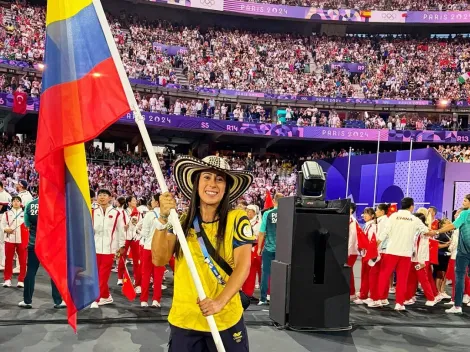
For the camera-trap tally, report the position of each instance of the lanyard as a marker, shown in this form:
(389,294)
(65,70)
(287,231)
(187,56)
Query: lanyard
(16,217)
(207,257)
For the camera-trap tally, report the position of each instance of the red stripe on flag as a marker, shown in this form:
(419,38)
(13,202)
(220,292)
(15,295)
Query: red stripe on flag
(52,250)
(78,111)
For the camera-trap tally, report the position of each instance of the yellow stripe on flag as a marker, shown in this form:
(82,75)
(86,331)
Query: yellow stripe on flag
(58,10)
(75,160)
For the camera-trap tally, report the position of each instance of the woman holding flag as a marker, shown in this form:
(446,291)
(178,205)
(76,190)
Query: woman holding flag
(131,216)
(220,241)
(370,231)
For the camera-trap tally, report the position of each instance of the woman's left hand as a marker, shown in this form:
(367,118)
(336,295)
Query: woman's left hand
(210,306)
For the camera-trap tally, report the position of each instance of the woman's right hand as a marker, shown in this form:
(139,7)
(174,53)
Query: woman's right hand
(167,202)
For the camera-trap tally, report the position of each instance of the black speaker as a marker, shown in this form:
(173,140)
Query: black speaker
(309,276)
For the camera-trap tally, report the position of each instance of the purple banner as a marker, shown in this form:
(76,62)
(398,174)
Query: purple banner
(343,15)
(318,133)
(171,50)
(352,67)
(20,64)
(437,17)
(6,100)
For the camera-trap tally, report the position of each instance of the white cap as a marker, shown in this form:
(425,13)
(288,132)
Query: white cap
(253,207)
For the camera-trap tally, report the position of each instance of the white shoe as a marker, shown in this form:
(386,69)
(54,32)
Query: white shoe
(2,268)
(25,305)
(358,301)
(450,303)
(138,290)
(144,304)
(466,299)
(368,301)
(16,270)
(119,283)
(268,297)
(375,304)
(156,304)
(256,287)
(431,303)
(61,305)
(385,302)
(438,298)
(409,302)
(20,284)
(454,310)
(392,290)
(114,270)
(399,307)
(104,301)
(445,295)
(164,287)
(261,303)
(94,305)
(7,283)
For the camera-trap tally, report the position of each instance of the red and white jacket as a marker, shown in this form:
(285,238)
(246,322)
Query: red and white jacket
(352,242)
(370,230)
(131,234)
(12,219)
(109,230)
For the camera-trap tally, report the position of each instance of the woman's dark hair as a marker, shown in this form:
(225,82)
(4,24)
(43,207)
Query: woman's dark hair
(384,207)
(121,201)
(128,200)
(467,197)
(420,217)
(156,197)
(371,212)
(193,211)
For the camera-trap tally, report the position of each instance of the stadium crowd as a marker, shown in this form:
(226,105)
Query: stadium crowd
(394,68)
(455,154)
(385,5)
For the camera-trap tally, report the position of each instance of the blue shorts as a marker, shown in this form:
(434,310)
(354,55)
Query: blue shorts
(235,339)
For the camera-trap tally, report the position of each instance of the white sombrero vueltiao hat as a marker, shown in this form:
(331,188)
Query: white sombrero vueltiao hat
(186,167)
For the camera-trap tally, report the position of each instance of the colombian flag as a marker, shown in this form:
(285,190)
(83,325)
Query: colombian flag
(83,95)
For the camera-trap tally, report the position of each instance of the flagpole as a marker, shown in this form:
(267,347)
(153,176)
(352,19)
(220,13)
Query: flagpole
(376,170)
(349,168)
(409,169)
(174,220)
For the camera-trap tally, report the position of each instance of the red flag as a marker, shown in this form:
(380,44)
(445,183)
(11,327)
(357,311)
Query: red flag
(362,239)
(372,250)
(435,225)
(268,201)
(24,236)
(128,289)
(433,251)
(20,100)
(392,209)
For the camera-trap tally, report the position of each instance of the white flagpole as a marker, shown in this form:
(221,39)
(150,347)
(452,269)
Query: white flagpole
(349,168)
(376,170)
(156,166)
(409,169)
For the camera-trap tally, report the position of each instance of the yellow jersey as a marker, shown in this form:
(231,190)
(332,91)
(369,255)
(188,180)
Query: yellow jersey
(185,312)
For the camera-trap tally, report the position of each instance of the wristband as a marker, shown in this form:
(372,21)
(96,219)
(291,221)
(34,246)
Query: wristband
(160,227)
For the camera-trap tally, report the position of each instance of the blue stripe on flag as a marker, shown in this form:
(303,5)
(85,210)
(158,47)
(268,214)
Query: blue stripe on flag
(82,271)
(74,47)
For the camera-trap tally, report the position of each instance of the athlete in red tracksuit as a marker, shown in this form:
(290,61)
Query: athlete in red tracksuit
(131,217)
(148,269)
(400,232)
(12,224)
(376,263)
(109,238)
(418,271)
(255,269)
(370,230)
(357,240)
